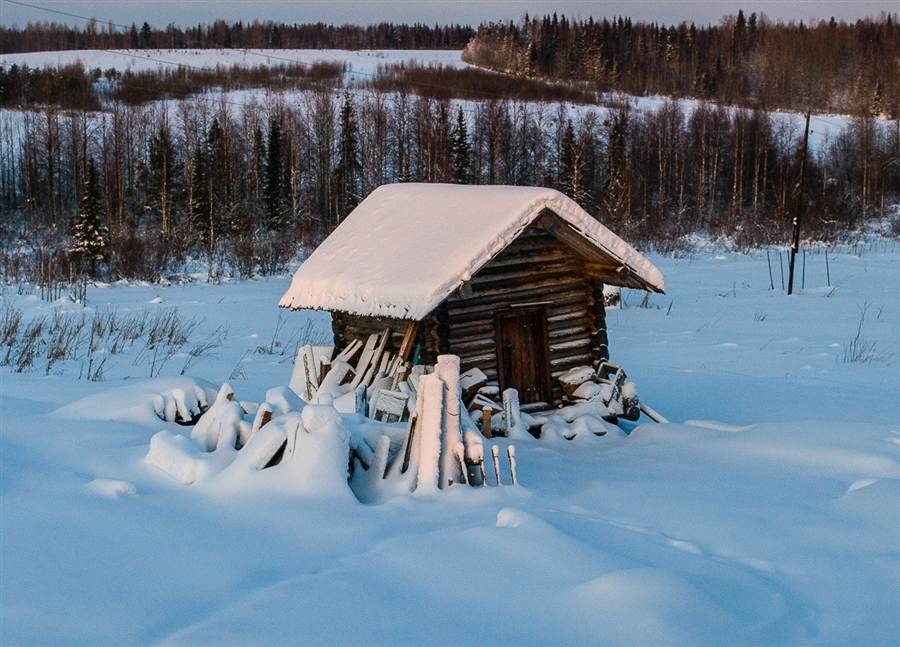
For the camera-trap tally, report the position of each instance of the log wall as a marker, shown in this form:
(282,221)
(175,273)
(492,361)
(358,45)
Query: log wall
(535,269)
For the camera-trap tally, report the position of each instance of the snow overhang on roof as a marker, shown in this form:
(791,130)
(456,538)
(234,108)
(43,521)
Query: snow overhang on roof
(407,247)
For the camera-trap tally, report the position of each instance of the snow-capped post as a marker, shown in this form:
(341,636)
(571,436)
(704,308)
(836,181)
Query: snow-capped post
(261,419)
(453,449)
(511,453)
(309,370)
(512,415)
(495,454)
(431,392)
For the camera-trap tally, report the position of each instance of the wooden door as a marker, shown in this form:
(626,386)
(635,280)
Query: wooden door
(523,353)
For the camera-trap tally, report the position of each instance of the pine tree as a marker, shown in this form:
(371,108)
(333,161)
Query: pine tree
(568,170)
(200,202)
(618,188)
(348,172)
(274,190)
(461,153)
(90,234)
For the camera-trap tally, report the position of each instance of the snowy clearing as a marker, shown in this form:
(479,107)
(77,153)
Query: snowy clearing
(139,60)
(766,513)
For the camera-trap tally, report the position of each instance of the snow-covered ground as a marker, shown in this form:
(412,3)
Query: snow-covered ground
(775,524)
(366,61)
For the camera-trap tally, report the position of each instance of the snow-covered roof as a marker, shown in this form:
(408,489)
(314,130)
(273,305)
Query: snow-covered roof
(407,247)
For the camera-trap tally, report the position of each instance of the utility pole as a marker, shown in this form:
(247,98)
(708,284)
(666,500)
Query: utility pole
(795,242)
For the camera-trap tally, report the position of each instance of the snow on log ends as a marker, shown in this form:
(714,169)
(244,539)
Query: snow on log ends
(408,246)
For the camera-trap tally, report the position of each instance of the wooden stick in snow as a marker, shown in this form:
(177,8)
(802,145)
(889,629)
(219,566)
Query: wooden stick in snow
(410,433)
(511,453)
(653,415)
(486,423)
(463,472)
(495,454)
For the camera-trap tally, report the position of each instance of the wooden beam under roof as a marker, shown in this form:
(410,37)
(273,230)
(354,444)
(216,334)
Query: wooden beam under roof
(599,262)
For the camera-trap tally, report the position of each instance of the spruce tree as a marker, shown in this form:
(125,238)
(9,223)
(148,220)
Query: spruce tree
(348,172)
(90,234)
(460,152)
(274,190)
(200,203)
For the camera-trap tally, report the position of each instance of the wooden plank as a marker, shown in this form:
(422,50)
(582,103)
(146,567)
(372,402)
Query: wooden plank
(408,344)
(376,357)
(400,374)
(349,352)
(364,360)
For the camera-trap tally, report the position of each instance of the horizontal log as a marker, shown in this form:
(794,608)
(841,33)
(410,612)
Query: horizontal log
(558,330)
(575,359)
(484,361)
(525,272)
(530,293)
(463,313)
(541,257)
(546,278)
(481,327)
(472,345)
(569,345)
(561,315)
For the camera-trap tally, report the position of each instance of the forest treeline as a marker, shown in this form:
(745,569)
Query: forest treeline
(73,87)
(144,174)
(824,66)
(143,191)
(49,36)
(751,61)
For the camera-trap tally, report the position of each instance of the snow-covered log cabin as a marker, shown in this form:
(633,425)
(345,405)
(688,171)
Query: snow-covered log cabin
(510,279)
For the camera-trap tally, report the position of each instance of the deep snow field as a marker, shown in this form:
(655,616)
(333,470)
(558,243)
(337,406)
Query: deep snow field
(767,512)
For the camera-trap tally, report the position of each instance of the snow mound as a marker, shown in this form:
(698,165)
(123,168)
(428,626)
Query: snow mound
(173,399)
(112,488)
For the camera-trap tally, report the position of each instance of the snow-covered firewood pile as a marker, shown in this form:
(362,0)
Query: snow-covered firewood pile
(324,442)
(366,420)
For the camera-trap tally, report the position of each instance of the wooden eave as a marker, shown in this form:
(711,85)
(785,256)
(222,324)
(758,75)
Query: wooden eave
(599,262)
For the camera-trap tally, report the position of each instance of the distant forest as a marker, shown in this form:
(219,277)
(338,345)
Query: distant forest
(100,178)
(826,66)
(43,37)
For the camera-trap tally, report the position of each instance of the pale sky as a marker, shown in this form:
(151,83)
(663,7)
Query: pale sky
(160,13)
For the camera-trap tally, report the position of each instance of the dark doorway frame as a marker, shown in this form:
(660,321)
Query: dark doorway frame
(523,353)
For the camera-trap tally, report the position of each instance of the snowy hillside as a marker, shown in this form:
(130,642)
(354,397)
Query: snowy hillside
(765,513)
